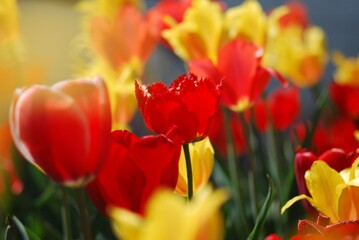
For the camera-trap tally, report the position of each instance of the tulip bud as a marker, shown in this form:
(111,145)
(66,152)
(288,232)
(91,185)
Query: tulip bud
(64,130)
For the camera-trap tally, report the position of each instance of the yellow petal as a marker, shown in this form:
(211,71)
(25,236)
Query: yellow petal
(199,33)
(347,69)
(322,183)
(171,217)
(202,159)
(294,200)
(247,21)
(125,224)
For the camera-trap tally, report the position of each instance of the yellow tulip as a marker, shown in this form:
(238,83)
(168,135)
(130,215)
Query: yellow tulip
(169,216)
(202,159)
(333,194)
(247,21)
(347,70)
(297,53)
(121,89)
(198,35)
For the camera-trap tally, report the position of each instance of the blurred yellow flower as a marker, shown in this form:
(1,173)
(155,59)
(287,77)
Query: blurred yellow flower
(333,194)
(107,8)
(246,21)
(169,216)
(202,159)
(121,45)
(296,52)
(121,88)
(199,34)
(9,25)
(347,70)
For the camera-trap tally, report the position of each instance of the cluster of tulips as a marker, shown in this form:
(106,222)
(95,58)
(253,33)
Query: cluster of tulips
(224,149)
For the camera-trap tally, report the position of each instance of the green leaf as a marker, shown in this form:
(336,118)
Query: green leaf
(15,223)
(263,212)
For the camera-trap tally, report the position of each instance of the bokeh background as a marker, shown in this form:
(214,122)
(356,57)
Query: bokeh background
(50,29)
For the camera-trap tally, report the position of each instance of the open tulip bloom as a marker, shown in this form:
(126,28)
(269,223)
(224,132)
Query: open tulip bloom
(189,103)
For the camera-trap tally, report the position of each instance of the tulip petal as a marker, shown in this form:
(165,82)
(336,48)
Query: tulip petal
(322,182)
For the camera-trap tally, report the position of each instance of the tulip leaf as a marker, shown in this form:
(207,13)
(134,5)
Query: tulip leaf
(263,212)
(16,224)
(47,193)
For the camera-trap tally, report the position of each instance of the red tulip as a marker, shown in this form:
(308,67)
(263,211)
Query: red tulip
(64,129)
(219,139)
(190,104)
(168,9)
(244,79)
(283,107)
(296,15)
(346,98)
(273,237)
(135,168)
(309,230)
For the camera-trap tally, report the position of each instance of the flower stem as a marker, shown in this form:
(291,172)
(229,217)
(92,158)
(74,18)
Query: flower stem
(233,173)
(189,171)
(80,198)
(252,166)
(65,214)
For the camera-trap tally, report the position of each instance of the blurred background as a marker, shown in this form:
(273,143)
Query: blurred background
(50,27)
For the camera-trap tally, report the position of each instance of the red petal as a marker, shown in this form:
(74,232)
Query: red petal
(136,167)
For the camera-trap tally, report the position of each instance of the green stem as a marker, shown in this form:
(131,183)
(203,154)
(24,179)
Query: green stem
(252,176)
(65,214)
(233,173)
(80,198)
(189,171)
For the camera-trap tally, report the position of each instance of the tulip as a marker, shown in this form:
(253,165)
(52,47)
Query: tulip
(304,159)
(247,21)
(128,37)
(135,168)
(242,84)
(64,130)
(7,168)
(202,160)
(347,70)
(333,194)
(295,50)
(198,35)
(283,107)
(190,104)
(344,91)
(168,216)
(308,230)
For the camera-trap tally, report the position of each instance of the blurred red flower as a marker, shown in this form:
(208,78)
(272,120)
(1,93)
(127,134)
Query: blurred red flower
(283,107)
(244,79)
(189,103)
(168,10)
(219,139)
(135,168)
(296,15)
(346,98)
(64,129)
(7,169)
